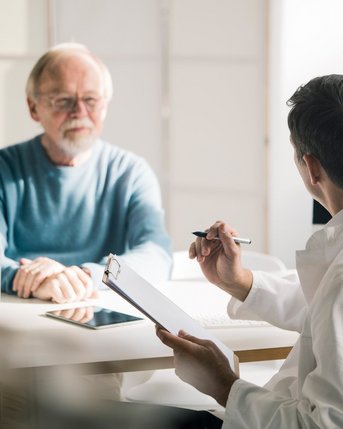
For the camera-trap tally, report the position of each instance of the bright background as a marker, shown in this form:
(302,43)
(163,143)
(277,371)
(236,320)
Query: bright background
(200,90)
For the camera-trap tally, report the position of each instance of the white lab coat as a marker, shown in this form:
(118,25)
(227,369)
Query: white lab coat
(307,392)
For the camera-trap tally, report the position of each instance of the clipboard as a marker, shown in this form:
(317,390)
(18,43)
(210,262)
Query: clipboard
(154,304)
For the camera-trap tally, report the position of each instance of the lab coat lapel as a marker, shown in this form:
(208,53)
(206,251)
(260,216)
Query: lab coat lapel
(321,249)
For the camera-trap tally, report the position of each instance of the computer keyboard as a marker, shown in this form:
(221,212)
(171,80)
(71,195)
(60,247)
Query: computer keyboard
(221,320)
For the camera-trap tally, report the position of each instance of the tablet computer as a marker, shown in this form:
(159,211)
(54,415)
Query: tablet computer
(93,317)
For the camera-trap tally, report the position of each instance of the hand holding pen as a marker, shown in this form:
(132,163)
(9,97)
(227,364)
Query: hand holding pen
(238,240)
(219,256)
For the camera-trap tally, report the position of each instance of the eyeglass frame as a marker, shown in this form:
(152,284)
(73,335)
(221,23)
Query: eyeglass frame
(73,100)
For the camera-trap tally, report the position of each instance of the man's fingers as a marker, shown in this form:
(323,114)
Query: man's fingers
(198,249)
(32,274)
(70,283)
(19,282)
(94,294)
(195,340)
(192,252)
(86,281)
(185,343)
(226,233)
(75,282)
(56,294)
(66,288)
(23,261)
(33,280)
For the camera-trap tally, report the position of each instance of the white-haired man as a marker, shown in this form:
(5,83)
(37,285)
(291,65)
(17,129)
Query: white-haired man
(67,198)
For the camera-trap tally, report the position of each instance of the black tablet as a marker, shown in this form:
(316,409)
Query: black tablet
(93,317)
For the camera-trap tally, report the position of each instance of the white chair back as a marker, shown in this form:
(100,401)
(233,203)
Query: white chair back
(185,268)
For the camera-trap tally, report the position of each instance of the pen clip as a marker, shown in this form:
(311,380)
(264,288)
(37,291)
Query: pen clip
(113,267)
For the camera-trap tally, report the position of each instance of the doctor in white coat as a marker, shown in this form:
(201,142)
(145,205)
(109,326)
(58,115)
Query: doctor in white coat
(307,392)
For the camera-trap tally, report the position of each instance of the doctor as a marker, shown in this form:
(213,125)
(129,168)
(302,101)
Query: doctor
(308,390)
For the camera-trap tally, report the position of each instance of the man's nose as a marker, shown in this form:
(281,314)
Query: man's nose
(79,107)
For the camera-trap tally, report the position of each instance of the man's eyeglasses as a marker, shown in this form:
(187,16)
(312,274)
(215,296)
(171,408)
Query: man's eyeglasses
(68,103)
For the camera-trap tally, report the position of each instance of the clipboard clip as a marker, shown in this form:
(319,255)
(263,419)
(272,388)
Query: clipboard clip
(112,267)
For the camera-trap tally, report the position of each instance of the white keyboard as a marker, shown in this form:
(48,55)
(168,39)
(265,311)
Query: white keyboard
(221,320)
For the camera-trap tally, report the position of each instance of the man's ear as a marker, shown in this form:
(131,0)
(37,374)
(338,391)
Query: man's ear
(33,109)
(314,168)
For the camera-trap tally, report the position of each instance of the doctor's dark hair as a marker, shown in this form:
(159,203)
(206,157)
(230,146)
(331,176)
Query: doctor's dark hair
(315,122)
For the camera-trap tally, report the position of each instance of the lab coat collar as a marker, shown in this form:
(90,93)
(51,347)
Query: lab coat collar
(321,249)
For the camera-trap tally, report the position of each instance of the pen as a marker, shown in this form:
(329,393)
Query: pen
(236,239)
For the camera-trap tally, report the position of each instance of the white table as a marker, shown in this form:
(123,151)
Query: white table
(30,340)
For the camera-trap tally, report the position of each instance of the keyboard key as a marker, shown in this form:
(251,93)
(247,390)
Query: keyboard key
(221,320)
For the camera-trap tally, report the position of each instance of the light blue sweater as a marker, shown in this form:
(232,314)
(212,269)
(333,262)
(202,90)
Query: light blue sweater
(78,215)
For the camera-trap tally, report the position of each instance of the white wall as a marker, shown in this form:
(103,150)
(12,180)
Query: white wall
(217,117)
(189,95)
(305,41)
(23,37)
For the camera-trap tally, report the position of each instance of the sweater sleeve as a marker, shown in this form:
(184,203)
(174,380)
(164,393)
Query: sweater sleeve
(8,266)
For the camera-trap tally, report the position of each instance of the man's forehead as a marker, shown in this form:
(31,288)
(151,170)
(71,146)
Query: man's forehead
(68,73)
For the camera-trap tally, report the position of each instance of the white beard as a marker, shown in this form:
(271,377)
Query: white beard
(72,147)
(77,144)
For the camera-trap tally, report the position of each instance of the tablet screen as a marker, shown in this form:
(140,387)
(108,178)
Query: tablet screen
(93,317)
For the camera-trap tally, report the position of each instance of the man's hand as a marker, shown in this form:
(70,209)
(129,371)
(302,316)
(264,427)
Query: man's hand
(201,364)
(32,274)
(220,260)
(70,285)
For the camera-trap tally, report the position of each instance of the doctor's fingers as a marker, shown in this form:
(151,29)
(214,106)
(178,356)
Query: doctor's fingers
(231,249)
(204,248)
(225,232)
(220,228)
(177,343)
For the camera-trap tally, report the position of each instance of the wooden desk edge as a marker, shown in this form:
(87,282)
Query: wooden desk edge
(262,354)
(151,364)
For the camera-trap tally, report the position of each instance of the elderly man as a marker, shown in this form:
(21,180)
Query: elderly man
(67,198)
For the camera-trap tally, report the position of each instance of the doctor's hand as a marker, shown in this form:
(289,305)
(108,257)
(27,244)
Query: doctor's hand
(201,364)
(32,273)
(220,260)
(70,285)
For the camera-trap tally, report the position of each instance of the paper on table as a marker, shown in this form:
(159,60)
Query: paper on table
(151,302)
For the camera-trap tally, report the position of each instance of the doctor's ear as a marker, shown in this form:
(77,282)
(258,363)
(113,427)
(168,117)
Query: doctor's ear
(314,168)
(33,108)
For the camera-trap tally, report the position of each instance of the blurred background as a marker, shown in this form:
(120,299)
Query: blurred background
(200,91)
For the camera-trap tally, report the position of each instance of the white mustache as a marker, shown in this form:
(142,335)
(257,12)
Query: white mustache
(76,123)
